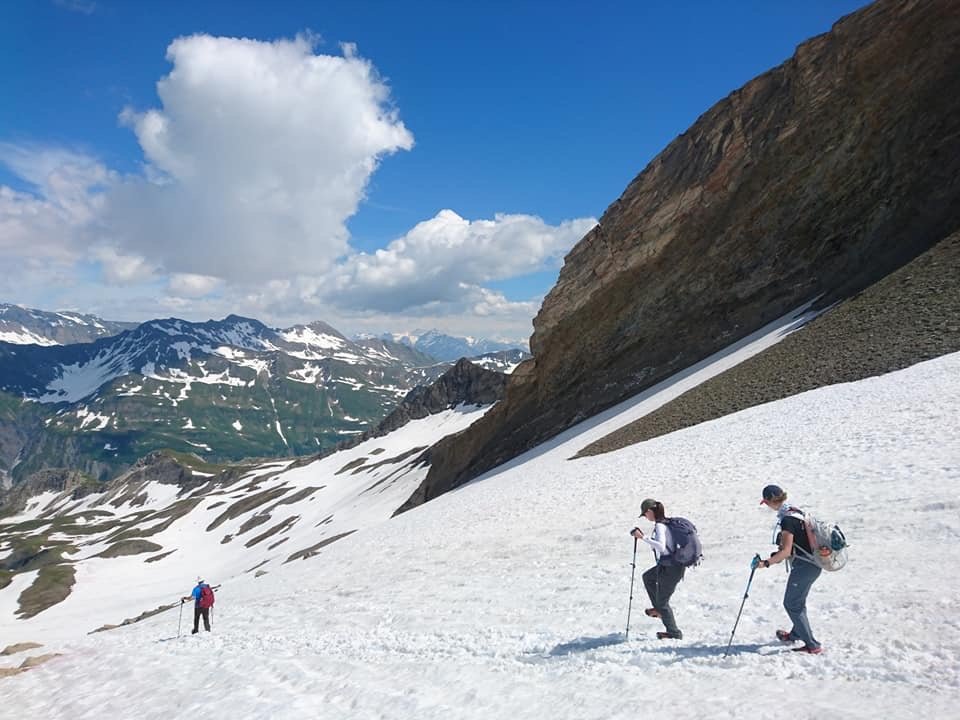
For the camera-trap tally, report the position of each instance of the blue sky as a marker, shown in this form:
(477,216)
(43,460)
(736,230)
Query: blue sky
(381,166)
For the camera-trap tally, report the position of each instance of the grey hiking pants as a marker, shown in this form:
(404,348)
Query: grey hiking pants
(802,576)
(660,582)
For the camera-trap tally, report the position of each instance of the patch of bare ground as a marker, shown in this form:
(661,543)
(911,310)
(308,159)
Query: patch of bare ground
(51,586)
(19,647)
(142,616)
(312,550)
(246,504)
(161,556)
(30,662)
(279,527)
(129,547)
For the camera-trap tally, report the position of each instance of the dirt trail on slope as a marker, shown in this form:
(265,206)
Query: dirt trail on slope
(909,316)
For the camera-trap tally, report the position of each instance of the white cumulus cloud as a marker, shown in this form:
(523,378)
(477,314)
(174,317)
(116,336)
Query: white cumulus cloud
(259,154)
(120,269)
(43,225)
(446,258)
(189,285)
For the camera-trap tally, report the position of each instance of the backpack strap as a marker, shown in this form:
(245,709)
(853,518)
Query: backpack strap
(800,515)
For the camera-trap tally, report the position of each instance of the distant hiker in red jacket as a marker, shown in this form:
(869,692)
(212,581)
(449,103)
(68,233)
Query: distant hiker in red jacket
(203,598)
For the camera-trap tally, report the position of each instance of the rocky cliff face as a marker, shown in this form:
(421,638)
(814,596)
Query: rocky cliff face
(814,180)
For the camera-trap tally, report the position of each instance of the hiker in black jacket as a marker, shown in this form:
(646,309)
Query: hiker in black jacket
(803,572)
(662,579)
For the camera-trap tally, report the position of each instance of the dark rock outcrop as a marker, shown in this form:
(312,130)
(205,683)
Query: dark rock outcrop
(814,180)
(59,480)
(158,467)
(464,383)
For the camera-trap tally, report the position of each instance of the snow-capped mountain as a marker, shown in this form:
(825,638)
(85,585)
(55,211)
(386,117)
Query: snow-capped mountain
(26,326)
(450,347)
(225,389)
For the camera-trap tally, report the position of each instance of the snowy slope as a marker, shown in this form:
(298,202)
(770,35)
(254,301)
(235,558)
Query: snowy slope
(508,597)
(253,524)
(261,519)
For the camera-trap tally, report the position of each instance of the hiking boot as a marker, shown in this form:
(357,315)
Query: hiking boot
(669,636)
(652,612)
(809,650)
(195,631)
(786,636)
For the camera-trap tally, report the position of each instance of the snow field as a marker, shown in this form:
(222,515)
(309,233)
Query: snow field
(508,597)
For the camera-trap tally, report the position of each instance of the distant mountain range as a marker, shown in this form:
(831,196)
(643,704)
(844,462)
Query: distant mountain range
(28,326)
(449,347)
(222,390)
(23,326)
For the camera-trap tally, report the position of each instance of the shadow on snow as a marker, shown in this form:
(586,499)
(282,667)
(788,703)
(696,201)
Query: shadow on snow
(677,652)
(581,644)
(683,652)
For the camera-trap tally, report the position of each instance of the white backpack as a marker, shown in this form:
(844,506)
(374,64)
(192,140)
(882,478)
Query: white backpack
(827,540)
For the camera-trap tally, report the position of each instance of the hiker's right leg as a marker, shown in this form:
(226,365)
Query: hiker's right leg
(670,576)
(802,576)
(196,618)
(206,618)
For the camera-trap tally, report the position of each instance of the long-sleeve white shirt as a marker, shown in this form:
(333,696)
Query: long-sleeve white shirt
(659,540)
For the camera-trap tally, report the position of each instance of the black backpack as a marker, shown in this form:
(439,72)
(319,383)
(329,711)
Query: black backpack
(687,550)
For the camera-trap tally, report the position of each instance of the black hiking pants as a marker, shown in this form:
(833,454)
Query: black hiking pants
(660,582)
(197,612)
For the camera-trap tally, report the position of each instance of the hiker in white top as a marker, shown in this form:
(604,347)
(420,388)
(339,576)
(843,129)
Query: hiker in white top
(662,579)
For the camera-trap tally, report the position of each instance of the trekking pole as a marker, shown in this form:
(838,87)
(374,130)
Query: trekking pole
(180,621)
(215,587)
(633,569)
(746,593)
